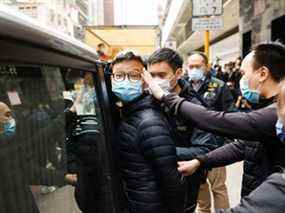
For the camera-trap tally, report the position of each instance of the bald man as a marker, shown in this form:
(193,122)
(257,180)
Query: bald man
(7,122)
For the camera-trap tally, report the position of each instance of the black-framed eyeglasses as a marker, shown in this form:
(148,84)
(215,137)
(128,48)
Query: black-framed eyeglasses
(132,76)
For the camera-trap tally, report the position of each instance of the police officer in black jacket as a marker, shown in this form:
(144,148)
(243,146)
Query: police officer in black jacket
(263,69)
(215,95)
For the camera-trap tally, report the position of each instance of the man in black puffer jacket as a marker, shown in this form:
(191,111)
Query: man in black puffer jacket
(145,143)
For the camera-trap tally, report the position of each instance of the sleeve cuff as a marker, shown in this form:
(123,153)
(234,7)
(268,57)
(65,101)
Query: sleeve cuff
(173,101)
(203,161)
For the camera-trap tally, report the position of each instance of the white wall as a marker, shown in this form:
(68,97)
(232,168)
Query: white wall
(226,49)
(174,10)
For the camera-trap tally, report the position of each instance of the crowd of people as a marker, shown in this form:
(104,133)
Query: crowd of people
(179,129)
(231,74)
(186,126)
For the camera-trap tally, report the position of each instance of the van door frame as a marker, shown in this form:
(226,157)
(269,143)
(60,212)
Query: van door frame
(16,54)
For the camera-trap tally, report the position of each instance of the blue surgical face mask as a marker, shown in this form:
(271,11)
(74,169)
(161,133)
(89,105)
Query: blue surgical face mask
(9,127)
(195,74)
(127,91)
(252,96)
(280,130)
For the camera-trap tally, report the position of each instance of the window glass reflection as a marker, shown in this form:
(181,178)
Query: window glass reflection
(34,129)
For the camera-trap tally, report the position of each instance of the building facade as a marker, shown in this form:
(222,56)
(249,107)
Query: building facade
(101,12)
(261,21)
(176,31)
(96,12)
(83,9)
(61,15)
(109,12)
(245,23)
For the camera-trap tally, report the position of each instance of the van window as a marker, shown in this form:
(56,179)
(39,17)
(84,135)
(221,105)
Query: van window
(39,110)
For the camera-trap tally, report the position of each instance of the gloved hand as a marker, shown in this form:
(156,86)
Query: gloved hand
(155,89)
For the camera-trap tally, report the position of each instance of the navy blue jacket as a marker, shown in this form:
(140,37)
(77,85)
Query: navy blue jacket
(192,141)
(148,160)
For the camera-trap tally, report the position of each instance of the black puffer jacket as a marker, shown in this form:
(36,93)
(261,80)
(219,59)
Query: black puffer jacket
(268,197)
(148,160)
(257,165)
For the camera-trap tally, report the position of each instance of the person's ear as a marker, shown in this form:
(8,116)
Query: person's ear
(264,74)
(178,73)
(281,101)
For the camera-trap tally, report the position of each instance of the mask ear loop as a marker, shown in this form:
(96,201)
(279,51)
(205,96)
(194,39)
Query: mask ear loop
(172,81)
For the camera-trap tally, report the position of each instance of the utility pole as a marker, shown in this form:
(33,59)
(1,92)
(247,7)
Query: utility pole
(207,43)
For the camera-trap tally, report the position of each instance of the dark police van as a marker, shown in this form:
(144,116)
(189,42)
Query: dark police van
(44,77)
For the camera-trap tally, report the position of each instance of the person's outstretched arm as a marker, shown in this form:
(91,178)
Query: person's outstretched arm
(223,156)
(255,125)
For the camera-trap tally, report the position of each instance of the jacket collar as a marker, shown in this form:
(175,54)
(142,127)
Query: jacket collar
(265,102)
(205,83)
(186,88)
(188,92)
(144,102)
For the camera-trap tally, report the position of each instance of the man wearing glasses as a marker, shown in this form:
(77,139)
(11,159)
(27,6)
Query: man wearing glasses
(147,155)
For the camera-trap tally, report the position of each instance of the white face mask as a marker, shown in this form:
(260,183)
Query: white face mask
(165,85)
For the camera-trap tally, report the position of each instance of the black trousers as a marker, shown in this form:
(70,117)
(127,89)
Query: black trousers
(194,181)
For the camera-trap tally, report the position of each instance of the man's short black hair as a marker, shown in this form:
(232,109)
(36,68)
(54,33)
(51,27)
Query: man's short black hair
(128,56)
(101,45)
(170,56)
(203,55)
(272,56)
